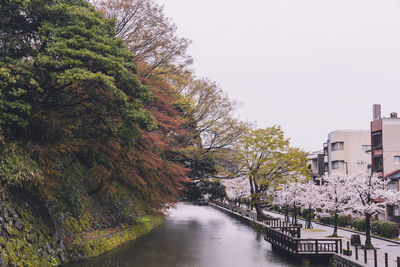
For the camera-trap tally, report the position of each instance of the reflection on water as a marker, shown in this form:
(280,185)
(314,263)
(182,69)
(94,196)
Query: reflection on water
(194,236)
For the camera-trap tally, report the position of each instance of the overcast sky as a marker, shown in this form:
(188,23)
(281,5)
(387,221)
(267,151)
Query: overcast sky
(311,66)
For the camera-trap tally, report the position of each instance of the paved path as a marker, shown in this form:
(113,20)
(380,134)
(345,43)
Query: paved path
(321,231)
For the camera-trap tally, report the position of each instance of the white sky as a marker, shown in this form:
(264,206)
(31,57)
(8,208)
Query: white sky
(311,66)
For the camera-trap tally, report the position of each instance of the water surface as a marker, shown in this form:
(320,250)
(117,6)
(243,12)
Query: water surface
(194,236)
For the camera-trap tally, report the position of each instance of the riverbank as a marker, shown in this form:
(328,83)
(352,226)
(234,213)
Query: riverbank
(85,246)
(198,236)
(32,234)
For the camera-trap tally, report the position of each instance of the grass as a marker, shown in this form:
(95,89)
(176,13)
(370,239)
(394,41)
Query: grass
(313,230)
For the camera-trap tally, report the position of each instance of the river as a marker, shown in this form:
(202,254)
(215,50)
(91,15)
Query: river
(194,236)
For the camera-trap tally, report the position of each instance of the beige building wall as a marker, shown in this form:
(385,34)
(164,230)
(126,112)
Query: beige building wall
(390,144)
(352,155)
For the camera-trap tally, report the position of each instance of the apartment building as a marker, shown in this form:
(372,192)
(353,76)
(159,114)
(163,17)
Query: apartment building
(385,152)
(385,137)
(316,164)
(347,151)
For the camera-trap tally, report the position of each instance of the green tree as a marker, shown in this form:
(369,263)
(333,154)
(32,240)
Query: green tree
(83,76)
(13,109)
(269,160)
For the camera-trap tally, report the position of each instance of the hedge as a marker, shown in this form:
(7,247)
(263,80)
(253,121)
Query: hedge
(326,220)
(304,214)
(376,227)
(343,220)
(359,224)
(386,229)
(389,230)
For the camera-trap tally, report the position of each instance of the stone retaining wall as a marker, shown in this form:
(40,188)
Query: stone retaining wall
(338,261)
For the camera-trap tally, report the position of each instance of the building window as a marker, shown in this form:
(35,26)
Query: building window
(366,148)
(396,211)
(377,163)
(392,186)
(325,167)
(338,164)
(396,160)
(377,140)
(325,151)
(337,146)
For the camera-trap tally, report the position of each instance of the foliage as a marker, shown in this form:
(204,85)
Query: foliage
(95,243)
(149,34)
(344,220)
(17,169)
(367,188)
(305,214)
(335,196)
(214,188)
(236,187)
(13,109)
(376,227)
(103,128)
(192,192)
(210,130)
(72,200)
(326,220)
(385,228)
(53,262)
(358,224)
(389,230)
(369,196)
(83,74)
(269,160)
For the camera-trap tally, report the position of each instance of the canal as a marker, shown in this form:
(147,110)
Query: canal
(194,236)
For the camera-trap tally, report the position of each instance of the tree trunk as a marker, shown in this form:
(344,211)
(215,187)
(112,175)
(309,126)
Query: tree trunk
(260,213)
(368,242)
(294,221)
(335,225)
(287,213)
(308,222)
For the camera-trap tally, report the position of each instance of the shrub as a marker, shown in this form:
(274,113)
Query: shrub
(326,220)
(304,214)
(389,230)
(342,221)
(376,227)
(276,208)
(17,169)
(359,224)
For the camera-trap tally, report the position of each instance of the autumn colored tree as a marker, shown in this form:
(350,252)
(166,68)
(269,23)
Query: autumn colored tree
(269,160)
(149,34)
(70,85)
(151,37)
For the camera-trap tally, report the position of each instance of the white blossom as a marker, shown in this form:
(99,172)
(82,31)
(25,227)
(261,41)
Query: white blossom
(370,194)
(237,187)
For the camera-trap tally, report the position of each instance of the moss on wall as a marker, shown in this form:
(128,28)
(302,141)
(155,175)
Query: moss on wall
(88,245)
(28,240)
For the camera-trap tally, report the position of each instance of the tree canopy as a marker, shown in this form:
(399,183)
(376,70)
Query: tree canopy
(269,161)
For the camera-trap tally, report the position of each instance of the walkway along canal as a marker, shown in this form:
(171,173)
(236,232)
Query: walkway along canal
(194,236)
(303,243)
(287,237)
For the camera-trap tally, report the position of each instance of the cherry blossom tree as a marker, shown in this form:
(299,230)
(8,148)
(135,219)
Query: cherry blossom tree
(236,187)
(282,198)
(290,195)
(335,196)
(310,197)
(370,195)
